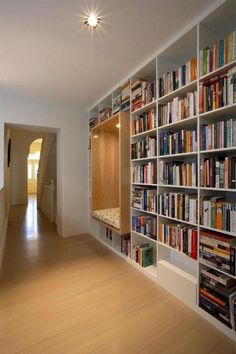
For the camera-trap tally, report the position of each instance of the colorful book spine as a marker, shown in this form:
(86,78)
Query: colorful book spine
(144,122)
(218,135)
(146,225)
(146,147)
(178,109)
(180,237)
(145,173)
(221,53)
(178,173)
(183,141)
(144,199)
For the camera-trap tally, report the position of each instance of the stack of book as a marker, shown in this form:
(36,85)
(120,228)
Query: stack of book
(146,225)
(178,109)
(142,93)
(144,173)
(126,245)
(144,199)
(217,213)
(125,97)
(218,135)
(93,121)
(178,173)
(145,121)
(217,92)
(144,148)
(104,113)
(220,54)
(218,251)
(175,79)
(116,104)
(217,296)
(142,254)
(178,142)
(181,206)
(218,172)
(180,237)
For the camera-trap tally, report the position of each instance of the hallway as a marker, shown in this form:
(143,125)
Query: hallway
(75,296)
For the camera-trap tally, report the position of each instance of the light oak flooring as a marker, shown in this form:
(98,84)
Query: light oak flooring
(75,296)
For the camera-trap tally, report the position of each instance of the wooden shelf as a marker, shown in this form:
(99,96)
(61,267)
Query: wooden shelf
(144,236)
(180,123)
(218,112)
(174,186)
(178,155)
(144,211)
(211,151)
(145,108)
(178,220)
(177,251)
(218,71)
(151,132)
(145,159)
(217,230)
(180,91)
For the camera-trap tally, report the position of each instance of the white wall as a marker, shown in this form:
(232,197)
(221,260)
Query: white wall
(72,154)
(20,143)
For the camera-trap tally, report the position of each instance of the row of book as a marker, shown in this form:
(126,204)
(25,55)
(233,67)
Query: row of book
(218,251)
(181,206)
(104,113)
(180,237)
(175,79)
(178,173)
(126,245)
(142,93)
(116,103)
(146,173)
(147,147)
(144,199)
(146,225)
(217,296)
(217,213)
(179,108)
(93,121)
(125,97)
(218,135)
(218,92)
(179,142)
(221,53)
(145,121)
(218,172)
(142,254)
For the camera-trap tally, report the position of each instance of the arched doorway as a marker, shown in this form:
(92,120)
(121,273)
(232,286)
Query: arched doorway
(33,165)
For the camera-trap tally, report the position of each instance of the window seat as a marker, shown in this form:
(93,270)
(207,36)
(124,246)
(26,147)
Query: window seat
(108,216)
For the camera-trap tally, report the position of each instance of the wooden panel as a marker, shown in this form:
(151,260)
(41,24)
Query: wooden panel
(105,170)
(124,172)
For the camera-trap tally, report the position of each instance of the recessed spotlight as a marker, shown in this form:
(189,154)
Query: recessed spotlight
(118,125)
(92,20)
(95,136)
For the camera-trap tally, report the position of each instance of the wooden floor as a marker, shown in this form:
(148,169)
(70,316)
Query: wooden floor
(75,296)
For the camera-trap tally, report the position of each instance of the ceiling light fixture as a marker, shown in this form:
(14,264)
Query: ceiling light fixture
(92,20)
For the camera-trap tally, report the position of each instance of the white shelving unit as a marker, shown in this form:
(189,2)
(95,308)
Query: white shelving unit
(173,270)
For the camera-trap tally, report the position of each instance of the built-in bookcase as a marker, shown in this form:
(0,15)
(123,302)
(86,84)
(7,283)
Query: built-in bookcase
(163,145)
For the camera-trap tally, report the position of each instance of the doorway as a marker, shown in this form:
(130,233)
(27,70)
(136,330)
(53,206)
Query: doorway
(33,165)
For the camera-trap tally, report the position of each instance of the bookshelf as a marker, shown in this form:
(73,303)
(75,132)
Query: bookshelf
(172,115)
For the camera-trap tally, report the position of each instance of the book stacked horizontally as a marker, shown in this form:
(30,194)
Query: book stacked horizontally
(217,296)
(144,199)
(104,114)
(125,97)
(142,93)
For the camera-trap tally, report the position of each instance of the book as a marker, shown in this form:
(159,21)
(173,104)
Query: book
(144,122)
(144,199)
(179,142)
(180,206)
(173,80)
(178,109)
(145,173)
(146,147)
(142,254)
(218,135)
(178,173)
(146,225)
(221,53)
(180,237)
(142,93)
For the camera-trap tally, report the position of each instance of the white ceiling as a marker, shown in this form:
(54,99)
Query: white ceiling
(46,52)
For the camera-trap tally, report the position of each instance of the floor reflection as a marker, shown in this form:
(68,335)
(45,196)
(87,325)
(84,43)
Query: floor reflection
(31,218)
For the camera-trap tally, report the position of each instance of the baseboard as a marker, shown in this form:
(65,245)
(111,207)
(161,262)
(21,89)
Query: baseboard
(3,240)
